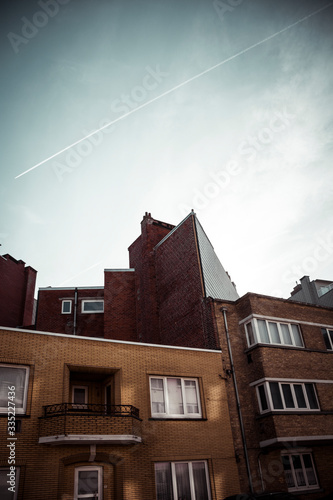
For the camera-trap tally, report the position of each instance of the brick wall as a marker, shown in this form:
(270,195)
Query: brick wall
(128,469)
(120,305)
(313,362)
(50,318)
(17,288)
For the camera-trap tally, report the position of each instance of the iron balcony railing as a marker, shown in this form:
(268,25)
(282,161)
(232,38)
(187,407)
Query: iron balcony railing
(91,409)
(64,419)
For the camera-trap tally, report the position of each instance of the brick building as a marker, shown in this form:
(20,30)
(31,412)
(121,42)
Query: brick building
(318,292)
(280,363)
(151,301)
(17,288)
(106,419)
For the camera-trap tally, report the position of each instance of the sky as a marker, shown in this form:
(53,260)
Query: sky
(223,107)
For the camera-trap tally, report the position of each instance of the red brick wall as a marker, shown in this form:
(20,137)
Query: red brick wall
(17,288)
(50,318)
(184,317)
(142,258)
(120,306)
(313,362)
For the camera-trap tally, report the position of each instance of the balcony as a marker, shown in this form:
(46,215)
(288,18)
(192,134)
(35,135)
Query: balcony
(69,423)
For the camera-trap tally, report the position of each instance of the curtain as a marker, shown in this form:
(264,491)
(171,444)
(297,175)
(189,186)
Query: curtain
(12,377)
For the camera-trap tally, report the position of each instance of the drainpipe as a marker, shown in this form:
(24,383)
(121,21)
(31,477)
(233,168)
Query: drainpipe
(224,310)
(75,311)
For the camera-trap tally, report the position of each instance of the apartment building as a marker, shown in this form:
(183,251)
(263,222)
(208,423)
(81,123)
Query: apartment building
(278,360)
(151,301)
(108,419)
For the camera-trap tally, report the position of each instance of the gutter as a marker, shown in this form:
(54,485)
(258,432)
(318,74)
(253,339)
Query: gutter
(246,456)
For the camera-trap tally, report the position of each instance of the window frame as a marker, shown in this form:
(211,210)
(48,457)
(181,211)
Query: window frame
(99,469)
(80,405)
(83,302)
(18,411)
(190,475)
(254,332)
(328,338)
(295,408)
(17,479)
(300,453)
(166,414)
(63,302)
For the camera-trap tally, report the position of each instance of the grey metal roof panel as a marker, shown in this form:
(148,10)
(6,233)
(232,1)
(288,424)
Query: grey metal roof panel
(217,283)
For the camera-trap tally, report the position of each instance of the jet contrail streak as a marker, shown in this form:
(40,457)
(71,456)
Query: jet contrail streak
(177,87)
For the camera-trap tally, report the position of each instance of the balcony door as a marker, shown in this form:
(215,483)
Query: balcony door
(79,397)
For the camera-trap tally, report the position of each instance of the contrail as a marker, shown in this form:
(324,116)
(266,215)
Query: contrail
(178,87)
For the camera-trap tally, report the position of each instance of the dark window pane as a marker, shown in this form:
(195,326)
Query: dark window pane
(276,396)
(200,482)
(330,333)
(287,471)
(250,333)
(88,482)
(300,396)
(263,400)
(183,481)
(288,398)
(311,396)
(299,473)
(163,481)
(326,339)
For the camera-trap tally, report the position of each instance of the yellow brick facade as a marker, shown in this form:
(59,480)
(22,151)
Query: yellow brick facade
(59,362)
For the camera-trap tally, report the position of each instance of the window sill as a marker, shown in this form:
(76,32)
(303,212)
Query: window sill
(305,490)
(195,419)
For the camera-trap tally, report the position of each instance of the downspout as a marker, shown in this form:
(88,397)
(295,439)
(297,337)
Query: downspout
(75,311)
(246,456)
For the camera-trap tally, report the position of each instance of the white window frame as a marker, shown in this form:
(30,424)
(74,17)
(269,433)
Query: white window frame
(190,469)
(18,411)
(83,302)
(17,479)
(100,482)
(256,334)
(62,306)
(167,414)
(80,405)
(269,398)
(328,333)
(301,453)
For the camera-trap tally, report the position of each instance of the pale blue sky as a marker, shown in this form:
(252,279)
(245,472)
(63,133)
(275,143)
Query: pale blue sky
(247,145)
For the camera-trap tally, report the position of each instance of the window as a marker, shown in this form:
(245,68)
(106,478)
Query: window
(88,483)
(175,480)
(286,396)
(9,479)
(299,471)
(66,307)
(13,388)
(174,397)
(79,396)
(328,338)
(271,332)
(92,306)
